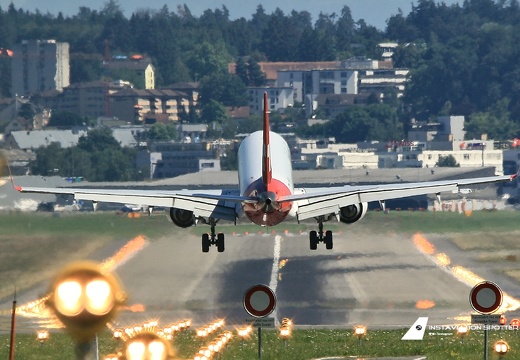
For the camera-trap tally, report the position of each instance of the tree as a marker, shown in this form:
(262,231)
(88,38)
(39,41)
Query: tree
(162,132)
(495,122)
(65,119)
(224,88)
(447,161)
(208,59)
(255,74)
(99,139)
(26,111)
(241,70)
(213,111)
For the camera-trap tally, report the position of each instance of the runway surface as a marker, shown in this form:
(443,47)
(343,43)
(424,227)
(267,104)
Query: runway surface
(379,280)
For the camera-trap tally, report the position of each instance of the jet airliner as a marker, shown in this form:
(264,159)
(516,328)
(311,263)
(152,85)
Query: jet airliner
(266,194)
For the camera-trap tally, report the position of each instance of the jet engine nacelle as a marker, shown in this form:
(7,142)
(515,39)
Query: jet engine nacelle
(352,213)
(182,218)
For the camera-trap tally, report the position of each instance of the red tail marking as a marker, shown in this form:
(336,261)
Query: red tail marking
(267,173)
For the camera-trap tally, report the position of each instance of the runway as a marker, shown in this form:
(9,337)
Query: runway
(378,280)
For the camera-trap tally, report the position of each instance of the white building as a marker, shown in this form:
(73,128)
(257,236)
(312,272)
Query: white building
(279,98)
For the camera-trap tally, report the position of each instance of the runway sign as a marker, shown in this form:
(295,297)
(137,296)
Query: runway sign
(485,297)
(259,301)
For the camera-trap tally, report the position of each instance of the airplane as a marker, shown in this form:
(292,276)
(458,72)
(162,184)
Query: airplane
(266,194)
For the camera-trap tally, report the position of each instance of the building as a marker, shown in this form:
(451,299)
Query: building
(318,81)
(170,159)
(149,106)
(38,66)
(89,100)
(32,140)
(279,98)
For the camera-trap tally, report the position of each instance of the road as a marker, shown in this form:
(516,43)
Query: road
(379,280)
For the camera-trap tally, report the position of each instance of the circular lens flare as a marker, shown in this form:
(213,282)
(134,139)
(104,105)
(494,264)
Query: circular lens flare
(68,298)
(135,351)
(100,297)
(157,350)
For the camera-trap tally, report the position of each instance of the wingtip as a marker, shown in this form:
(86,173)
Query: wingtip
(16,187)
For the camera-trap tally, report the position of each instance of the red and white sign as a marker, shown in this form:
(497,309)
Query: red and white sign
(485,297)
(259,301)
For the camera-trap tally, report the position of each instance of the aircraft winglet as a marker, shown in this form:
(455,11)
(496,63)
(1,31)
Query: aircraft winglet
(16,187)
(267,173)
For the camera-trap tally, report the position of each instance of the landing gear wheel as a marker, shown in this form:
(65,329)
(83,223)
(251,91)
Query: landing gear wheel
(220,242)
(205,242)
(313,237)
(328,240)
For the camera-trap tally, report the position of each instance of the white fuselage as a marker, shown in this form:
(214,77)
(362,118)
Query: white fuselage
(250,176)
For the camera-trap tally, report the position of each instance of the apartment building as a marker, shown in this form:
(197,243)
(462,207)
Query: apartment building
(279,98)
(149,106)
(38,66)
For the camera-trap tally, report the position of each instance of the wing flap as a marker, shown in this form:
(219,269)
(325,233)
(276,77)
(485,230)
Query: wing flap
(325,201)
(219,204)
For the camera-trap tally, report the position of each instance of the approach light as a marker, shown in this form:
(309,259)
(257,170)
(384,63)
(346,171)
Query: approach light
(284,332)
(111,357)
(42,336)
(84,298)
(501,347)
(286,322)
(147,346)
(360,331)
(118,334)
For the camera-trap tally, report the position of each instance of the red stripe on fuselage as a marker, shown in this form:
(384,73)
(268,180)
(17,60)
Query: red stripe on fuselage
(254,211)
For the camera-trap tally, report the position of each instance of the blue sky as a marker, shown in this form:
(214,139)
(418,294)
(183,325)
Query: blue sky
(374,12)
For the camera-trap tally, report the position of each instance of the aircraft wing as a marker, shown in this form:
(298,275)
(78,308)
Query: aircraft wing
(313,202)
(219,204)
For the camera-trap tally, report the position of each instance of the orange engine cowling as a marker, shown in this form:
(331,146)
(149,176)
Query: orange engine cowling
(352,213)
(182,218)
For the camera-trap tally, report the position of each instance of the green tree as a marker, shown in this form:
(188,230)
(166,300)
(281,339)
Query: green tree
(255,73)
(241,70)
(66,119)
(225,88)
(26,111)
(49,161)
(162,132)
(213,111)
(208,59)
(447,161)
(98,140)
(495,122)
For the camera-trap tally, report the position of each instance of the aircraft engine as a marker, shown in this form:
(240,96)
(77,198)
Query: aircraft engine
(352,213)
(182,218)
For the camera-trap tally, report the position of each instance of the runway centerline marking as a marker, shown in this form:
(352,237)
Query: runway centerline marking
(273,283)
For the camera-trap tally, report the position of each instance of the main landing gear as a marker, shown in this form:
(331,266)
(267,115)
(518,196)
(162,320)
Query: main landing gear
(317,237)
(212,238)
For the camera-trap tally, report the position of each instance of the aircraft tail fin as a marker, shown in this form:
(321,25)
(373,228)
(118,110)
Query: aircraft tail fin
(267,172)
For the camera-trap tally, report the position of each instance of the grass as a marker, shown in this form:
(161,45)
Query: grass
(304,344)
